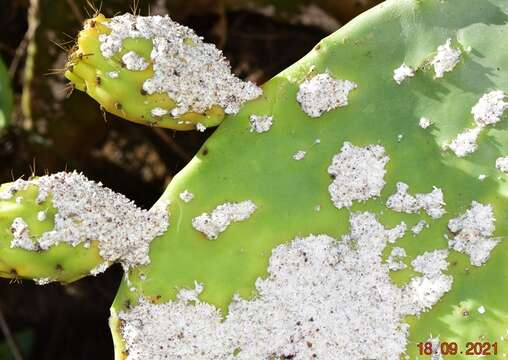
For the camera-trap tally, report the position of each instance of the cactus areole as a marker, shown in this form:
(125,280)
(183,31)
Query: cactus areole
(354,207)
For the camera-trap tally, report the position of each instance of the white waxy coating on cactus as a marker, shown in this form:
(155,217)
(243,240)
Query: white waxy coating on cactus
(466,142)
(41,215)
(192,73)
(473,233)
(186,196)
(187,295)
(502,164)
(358,174)
(418,228)
(21,235)
(396,233)
(487,111)
(394,260)
(5,194)
(431,262)
(482,177)
(113,74)
(424,122)
(299,155)
(200,127)
(87,211)
(323,93)
(158,112)
(340,307)
(446,58)
(490,108)
(260,123)
(222,216)
(402,73)
(134,62)
(426,290)
(43,281)
(481,310)
(9,190)
(99,269)
(432,203)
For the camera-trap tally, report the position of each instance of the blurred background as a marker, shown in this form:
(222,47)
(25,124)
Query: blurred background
(44,129)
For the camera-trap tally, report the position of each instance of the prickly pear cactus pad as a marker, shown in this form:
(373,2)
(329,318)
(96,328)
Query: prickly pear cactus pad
(154,71)
(377,211)
(357,210)
(63,227)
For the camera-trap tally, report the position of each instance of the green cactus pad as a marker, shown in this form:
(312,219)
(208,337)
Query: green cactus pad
(182,83)
(63,227)
(285,172)
(62,262)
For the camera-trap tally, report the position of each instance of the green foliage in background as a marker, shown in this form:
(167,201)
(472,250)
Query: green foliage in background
(5,96)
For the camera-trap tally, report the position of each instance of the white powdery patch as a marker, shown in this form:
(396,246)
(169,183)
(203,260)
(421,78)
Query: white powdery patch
(41,215)
(473,233)
(200,127)
(431,262)
(43,281)
(87,211)
(396,233)
(134,62)
(489,108)
(222,216)
(159,112)
(402,73)
(446,58)
(418,228)
(487,111)
(323,93)
(432,203)
(466,142)
(188,295)
(394,260)
(428,289)
(192,73)
(424,123)
(21,235)
(260,123)
(113,74)
(502,164)
(99,269)
(9,190)
(321,297)
(186,196)
(358,174)
(299,155)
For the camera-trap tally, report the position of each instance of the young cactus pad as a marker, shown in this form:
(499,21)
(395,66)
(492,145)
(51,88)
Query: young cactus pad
(357,233)
(154,71)
(64,227)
